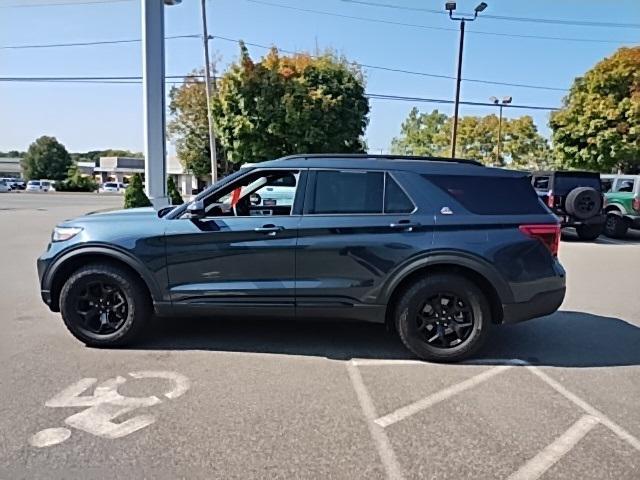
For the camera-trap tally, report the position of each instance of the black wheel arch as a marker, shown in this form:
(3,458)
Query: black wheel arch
(65,265)
(476,270)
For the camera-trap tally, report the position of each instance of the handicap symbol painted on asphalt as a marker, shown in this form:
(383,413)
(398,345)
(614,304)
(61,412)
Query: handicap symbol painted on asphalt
(106,405)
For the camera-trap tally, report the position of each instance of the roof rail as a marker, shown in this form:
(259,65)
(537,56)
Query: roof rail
(366,156)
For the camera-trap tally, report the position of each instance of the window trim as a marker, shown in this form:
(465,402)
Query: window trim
(310,191)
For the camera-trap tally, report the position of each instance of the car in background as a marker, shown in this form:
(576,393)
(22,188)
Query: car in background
(40,186)
(622,203)
(14,183)
(112,187)
(575,197)
(4,187)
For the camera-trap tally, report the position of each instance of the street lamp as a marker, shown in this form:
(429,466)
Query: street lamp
(451,7)
(153,94)
(501,104)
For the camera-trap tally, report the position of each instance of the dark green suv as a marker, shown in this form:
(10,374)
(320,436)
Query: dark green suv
(622,203)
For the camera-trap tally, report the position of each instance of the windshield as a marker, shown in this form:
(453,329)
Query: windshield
(35,183)
(111,185)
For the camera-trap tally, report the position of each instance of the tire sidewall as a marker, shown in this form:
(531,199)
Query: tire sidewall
(413,299)
(73,321)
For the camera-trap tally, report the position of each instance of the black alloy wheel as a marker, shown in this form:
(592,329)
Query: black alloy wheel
(445,320)
(102,306)
(105,305)
(443,317)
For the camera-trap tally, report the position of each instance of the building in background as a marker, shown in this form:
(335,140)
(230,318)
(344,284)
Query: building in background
(118,169)
(186,182)
(11,167)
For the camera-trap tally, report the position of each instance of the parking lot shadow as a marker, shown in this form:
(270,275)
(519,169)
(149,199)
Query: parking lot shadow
(564,339)
(568,339)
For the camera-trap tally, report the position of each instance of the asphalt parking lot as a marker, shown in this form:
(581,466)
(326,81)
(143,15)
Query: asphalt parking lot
(553,398)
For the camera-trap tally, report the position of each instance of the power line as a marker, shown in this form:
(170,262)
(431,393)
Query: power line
(137,80)
(62,4)
(85,44)
(552,21)
(234,40)
(427,27)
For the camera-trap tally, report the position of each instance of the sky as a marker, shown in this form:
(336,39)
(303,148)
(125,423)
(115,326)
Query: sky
(93,116)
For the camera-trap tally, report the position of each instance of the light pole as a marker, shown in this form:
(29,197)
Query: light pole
(208,87)
(153,94)
(501,104)
(450,7)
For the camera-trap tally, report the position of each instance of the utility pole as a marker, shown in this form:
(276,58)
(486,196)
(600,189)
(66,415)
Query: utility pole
(153,95)
(501,104)
(450,7)
(208,89)
(454,130)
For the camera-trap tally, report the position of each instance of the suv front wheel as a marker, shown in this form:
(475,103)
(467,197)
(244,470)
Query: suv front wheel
(443,318)
(104,305)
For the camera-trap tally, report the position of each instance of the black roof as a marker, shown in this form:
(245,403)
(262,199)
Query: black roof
(387,162)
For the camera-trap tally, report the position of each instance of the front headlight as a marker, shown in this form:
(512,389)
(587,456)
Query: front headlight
(60,234)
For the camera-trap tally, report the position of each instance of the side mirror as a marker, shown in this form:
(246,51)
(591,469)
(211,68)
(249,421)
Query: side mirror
(196,209)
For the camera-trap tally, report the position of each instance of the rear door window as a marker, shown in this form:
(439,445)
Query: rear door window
(348,192)
(491,195)
(395,199)
(541,183)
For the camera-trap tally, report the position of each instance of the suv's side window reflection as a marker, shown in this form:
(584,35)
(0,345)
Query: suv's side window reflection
(348,192)
(541,183)
(395,200)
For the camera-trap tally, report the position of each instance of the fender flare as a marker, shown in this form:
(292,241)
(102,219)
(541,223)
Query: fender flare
(615,209)
(454,258)
(114,253)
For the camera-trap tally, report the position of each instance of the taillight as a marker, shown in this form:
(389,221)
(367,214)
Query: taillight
(551,200)
(636,204)
(548,233)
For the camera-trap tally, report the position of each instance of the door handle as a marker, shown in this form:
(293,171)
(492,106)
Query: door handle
(404,225)
(270,229)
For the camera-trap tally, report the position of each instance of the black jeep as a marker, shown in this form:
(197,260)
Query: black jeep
(575,197)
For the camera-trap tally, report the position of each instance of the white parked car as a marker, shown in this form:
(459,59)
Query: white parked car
(112,187)
(40,186)
(4,187)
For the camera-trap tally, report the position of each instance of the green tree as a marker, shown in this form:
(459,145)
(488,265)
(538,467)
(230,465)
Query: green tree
(189,128)
(173,193)
(598,127)
(283,105)
(430,134)
(134,195)
(46,158)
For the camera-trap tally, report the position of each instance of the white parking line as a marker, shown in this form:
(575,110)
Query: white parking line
(366,362)
(438,397)
(543,461)
(387,455)
(606,421)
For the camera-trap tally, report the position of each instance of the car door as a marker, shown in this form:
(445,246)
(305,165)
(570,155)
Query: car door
(358,226)
(226,263)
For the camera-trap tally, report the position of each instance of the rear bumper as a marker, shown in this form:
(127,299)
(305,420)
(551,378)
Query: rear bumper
(541,304)
(572,222)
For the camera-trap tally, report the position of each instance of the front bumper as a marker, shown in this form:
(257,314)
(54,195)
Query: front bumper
(633,220)
(541,304)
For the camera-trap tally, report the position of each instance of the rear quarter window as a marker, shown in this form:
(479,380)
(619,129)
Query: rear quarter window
(491,195)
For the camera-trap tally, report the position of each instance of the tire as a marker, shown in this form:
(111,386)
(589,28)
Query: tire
(615,226)
(583,202)
(418,297)
(589,232)
(124,324)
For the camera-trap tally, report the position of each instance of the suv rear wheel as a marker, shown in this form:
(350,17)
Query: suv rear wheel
(104,305)
(443,318)
(615,226)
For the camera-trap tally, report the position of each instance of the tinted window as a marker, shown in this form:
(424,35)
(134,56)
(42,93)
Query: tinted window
(606,184)
(348,192)
(564,183)
(34,183)
(395,200)
(491,195)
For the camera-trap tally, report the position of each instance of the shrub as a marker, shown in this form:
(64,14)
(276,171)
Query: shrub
(134,195)
(173,193)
